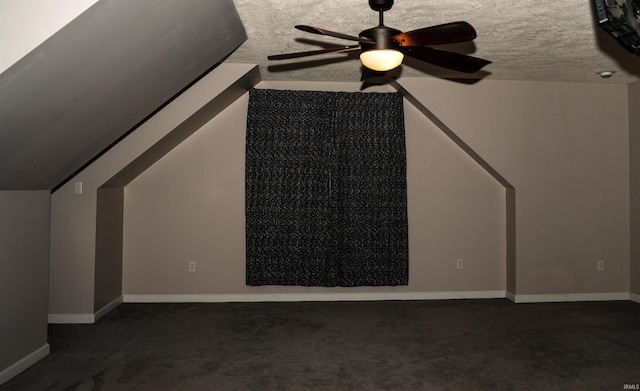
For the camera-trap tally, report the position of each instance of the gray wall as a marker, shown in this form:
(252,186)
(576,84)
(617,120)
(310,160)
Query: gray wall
(108,279)
(190,207)
(74,216)
(634,175)
(24,267)
(565,149)
(563,146)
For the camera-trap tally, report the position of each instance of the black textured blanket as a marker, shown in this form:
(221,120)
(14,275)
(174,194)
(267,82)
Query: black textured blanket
(326,201)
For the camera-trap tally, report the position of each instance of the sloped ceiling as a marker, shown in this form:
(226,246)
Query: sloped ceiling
(118,62)
(103,73)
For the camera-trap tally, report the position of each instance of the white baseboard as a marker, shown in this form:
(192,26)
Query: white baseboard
(17,368)
(551,298)
(107,308)
(71,318)
(374,296)
(84,318)
(283,297)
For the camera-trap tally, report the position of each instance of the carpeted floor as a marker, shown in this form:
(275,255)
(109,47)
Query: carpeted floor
(391,345)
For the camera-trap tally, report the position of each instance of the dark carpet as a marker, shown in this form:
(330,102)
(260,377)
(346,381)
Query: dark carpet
(389,345)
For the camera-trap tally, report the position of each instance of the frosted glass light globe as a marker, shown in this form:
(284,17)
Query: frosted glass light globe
(381,60)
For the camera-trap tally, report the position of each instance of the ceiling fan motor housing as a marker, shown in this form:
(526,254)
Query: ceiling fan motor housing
(382,35)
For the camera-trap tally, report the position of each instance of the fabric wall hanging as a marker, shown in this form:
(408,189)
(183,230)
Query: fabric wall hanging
(326,200)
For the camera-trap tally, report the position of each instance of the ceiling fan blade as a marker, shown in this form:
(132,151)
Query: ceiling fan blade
(456,61)
(441,34)
(319,31)
(289,56)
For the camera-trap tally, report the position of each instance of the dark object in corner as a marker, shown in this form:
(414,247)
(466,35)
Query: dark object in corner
(621,20)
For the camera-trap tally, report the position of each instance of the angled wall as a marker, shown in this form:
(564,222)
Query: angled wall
(24,262)
(509,190)
(189,207)
(108,69)
(564,148)
(74,217)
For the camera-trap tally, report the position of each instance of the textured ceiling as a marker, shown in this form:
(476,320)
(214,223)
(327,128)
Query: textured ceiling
(537,40)
(90,83)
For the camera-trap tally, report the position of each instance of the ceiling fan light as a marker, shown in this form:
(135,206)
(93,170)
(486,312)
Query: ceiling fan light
(381,60)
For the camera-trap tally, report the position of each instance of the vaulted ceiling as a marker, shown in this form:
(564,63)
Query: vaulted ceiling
(101,75)
(108,69)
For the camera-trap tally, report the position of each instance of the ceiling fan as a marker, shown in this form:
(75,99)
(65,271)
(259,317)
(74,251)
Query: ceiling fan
(383,48)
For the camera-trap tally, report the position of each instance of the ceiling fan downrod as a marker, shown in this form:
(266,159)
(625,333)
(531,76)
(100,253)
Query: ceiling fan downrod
(381,34)
(381,6)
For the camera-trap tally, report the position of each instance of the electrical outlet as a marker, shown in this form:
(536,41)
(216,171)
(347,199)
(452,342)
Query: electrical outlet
(192,267)
(459,263)
(600,265)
